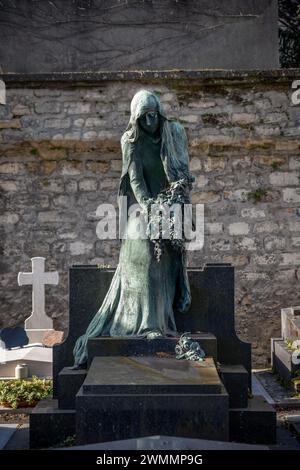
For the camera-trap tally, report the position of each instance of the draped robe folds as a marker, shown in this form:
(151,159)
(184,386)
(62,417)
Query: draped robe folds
(144,292)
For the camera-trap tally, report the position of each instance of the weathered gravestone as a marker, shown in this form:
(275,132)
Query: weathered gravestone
(285,351)
(37,328)
(110,401)
(38,324)
(68,36)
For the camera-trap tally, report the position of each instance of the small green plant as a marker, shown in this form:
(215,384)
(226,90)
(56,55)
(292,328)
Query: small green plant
(289,345)
(19,393)
(58,147)
(34,152)
(296,383)
(282,381)
(69,441)
(275,165)
(257,196)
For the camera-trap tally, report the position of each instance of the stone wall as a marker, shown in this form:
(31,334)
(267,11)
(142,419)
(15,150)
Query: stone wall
(60,157)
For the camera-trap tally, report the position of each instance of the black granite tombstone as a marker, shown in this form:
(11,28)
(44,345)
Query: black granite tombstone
(117,397)
(212,311)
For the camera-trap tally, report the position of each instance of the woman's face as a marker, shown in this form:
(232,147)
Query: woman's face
(149,121)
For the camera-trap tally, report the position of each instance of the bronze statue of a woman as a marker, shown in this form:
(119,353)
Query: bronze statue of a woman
(143,291)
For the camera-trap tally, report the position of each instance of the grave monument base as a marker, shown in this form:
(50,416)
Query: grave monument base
(135,387)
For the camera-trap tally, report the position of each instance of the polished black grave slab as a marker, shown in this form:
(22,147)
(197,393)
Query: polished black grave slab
(125,397)
(104,418)
(69,381)
(142,375)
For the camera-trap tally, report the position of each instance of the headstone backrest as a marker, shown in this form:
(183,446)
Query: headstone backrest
(14,337)
(212,311)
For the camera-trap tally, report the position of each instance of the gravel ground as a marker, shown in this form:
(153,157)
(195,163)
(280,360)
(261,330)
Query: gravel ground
(11,418)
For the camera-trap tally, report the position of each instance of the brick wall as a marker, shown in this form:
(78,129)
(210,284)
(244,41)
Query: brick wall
(60,158)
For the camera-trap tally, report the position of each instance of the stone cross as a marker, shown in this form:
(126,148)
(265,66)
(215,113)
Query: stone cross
(38,279)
